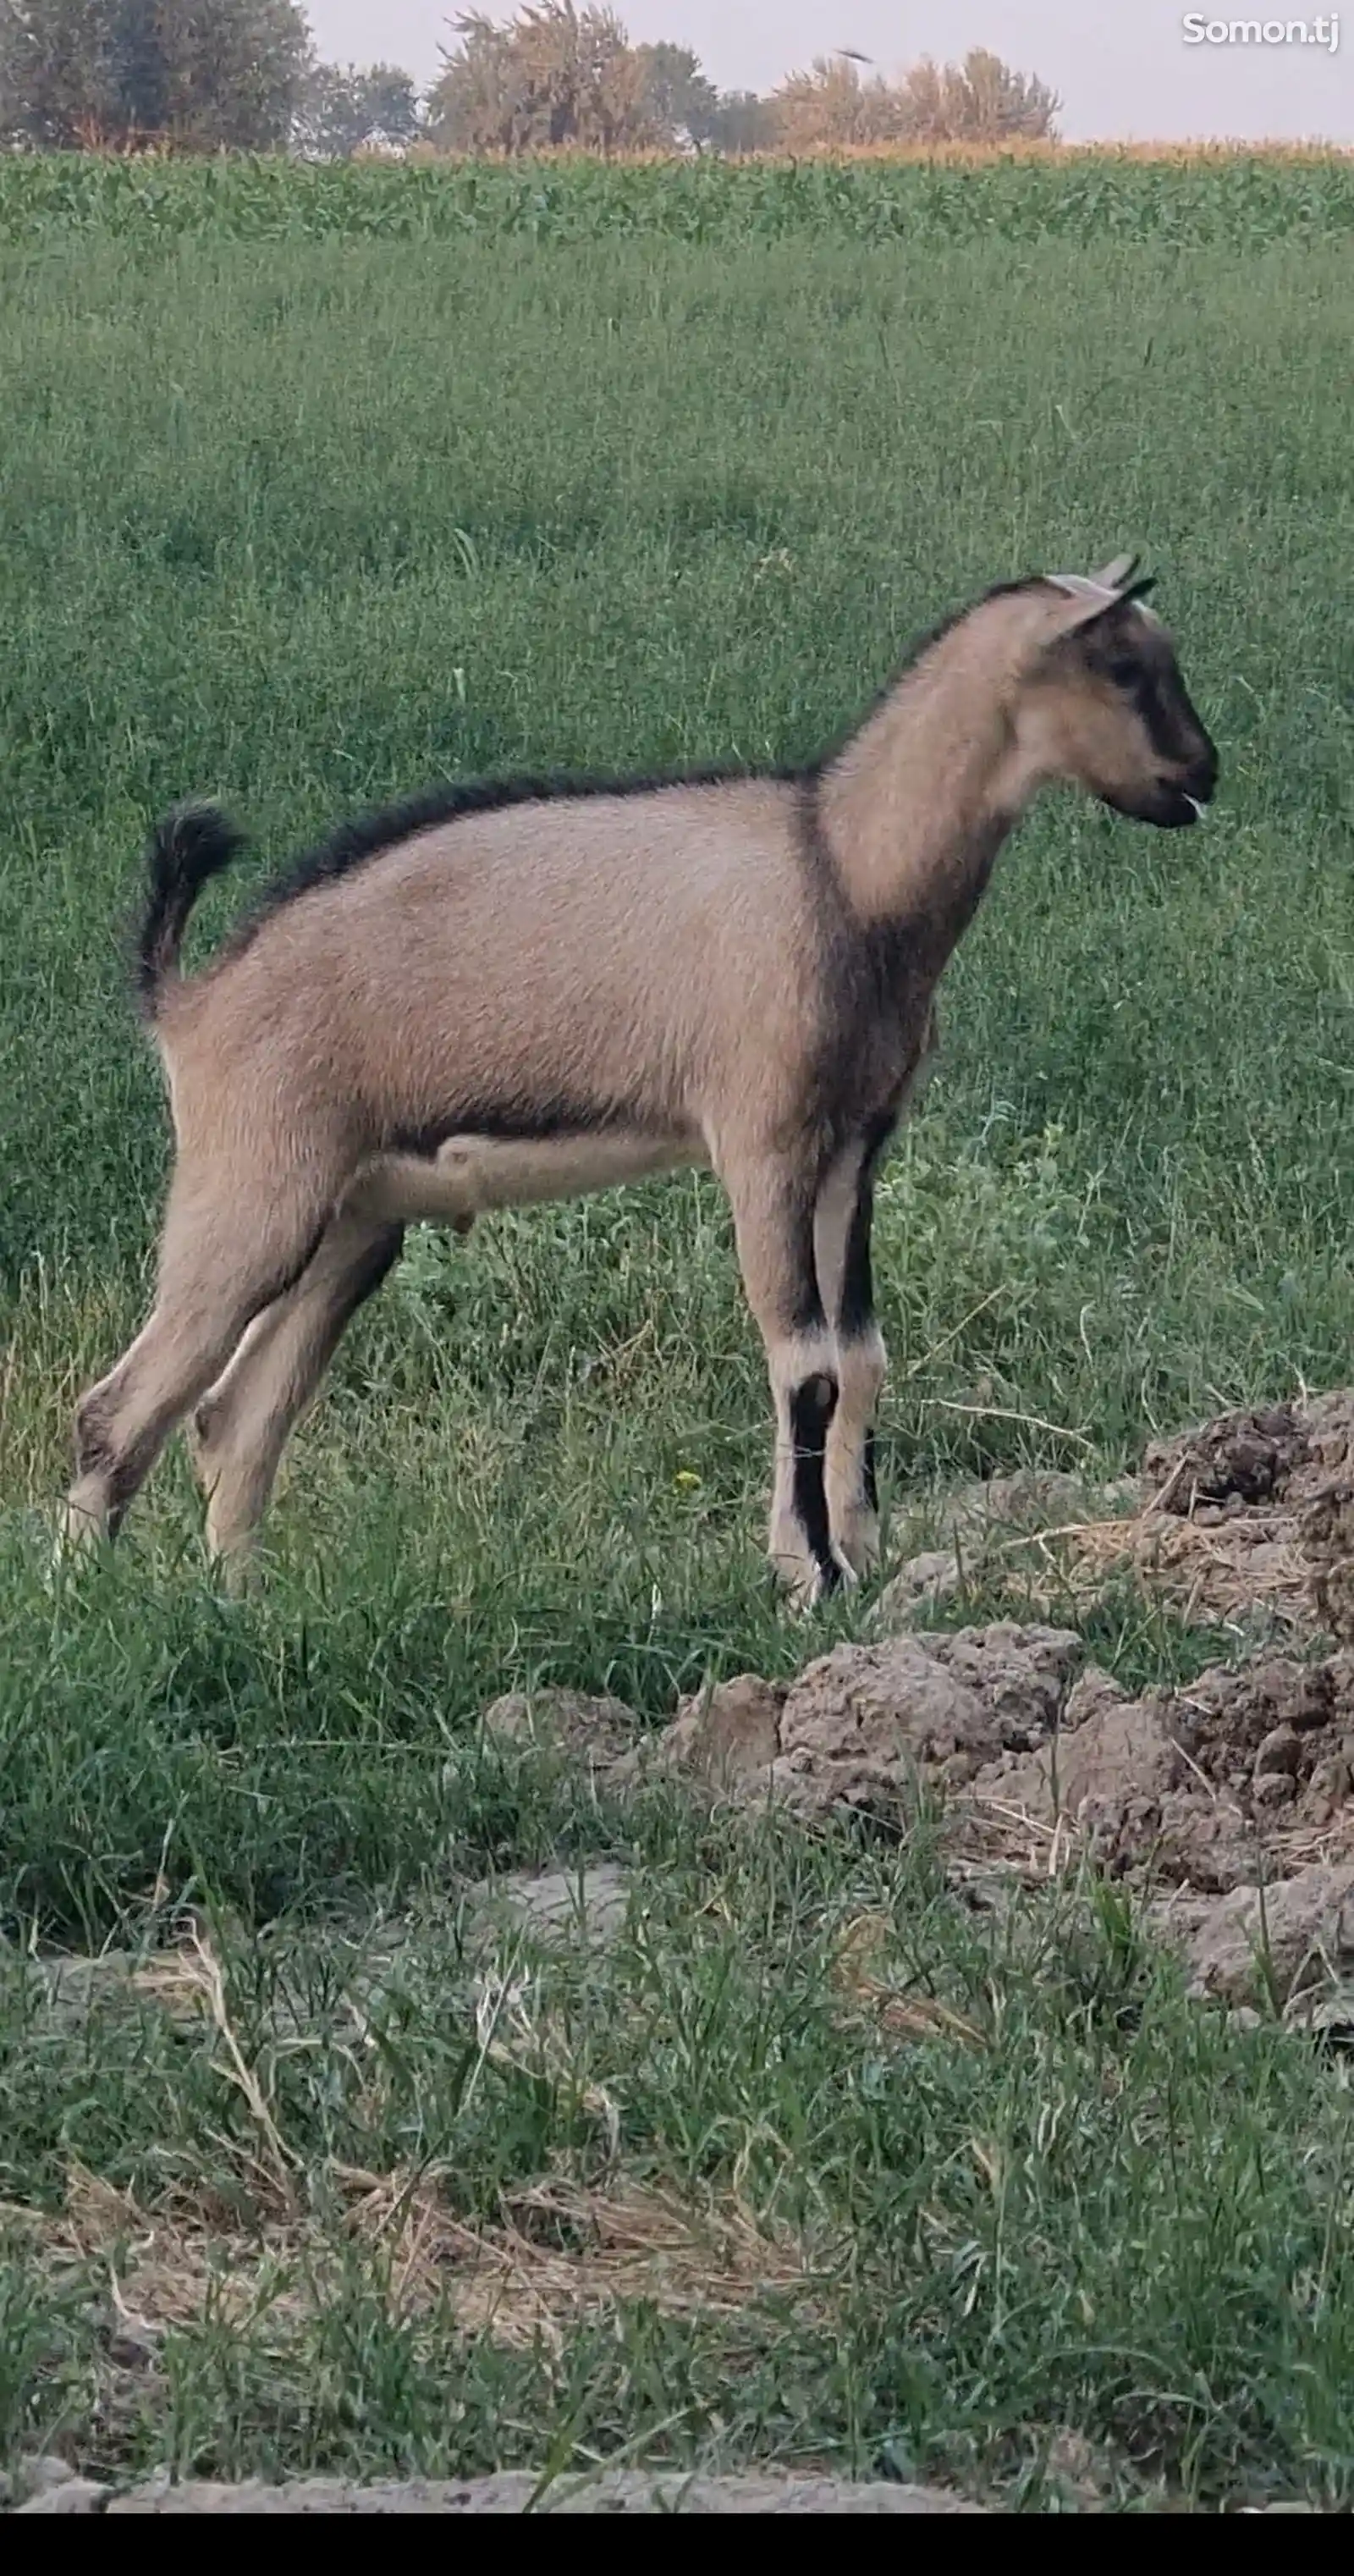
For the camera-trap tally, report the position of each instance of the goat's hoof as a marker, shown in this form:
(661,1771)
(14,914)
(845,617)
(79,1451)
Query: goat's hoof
(856,1546)
(78,1532)
(806,1587)
(236,1569)
(72,1538)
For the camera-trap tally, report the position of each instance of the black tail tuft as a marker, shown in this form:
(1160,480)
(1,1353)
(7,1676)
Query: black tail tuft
(193,844)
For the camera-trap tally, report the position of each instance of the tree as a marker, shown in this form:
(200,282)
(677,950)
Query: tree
(342,111)
(199,74)
(557,76)
(561,74)
(742,122)
(471,109)
(677,96)
(55,68)
(979,101)
(831,105)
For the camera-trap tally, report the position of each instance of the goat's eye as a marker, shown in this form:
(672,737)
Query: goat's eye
(1124,674)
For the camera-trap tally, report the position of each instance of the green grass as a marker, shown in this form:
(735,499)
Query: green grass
(303,524)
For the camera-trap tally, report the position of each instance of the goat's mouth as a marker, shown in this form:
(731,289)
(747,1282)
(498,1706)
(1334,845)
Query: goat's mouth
(1169,806)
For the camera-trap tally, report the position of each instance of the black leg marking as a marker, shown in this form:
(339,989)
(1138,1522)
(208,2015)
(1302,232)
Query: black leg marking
(95,1455)
(806,1315)
(856,1316)
(857,1297)
(857,1305)
(812,1405)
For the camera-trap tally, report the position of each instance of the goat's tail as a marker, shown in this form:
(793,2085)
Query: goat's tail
(191,845)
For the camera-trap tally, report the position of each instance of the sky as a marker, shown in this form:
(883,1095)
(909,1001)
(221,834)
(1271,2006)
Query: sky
(1124,68)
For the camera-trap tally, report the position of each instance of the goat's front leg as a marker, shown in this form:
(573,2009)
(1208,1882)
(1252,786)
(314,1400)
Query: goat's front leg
(773,1205)
(842,1226)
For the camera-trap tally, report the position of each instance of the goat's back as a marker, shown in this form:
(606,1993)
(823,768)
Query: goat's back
(559,962)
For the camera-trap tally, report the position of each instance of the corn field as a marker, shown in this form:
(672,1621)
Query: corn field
(1196,197)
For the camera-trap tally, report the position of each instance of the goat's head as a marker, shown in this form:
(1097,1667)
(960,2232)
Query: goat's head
(1102,703)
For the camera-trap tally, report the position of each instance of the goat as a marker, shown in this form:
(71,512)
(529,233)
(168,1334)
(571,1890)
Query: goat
(522,991)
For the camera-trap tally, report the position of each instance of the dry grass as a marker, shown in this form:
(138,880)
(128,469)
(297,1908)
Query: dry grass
(897,2011)
(563,2250)
(560,2252)
(187,2257)
(941,156)
(1202,1571)
(983,156)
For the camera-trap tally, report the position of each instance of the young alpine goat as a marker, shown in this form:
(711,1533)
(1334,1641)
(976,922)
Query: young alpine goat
(524,991)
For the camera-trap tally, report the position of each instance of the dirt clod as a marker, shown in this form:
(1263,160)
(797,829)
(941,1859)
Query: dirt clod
(1189,1787)
(555,1907)
(1326,1536)
(728,1736)
(1272,1945)
(863,1725)
(595,1732)
(1248,1519)
(1248,1457)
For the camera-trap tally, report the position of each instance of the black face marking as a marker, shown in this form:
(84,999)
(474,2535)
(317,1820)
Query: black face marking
(1153,714)
(812,1405)
(1139,664)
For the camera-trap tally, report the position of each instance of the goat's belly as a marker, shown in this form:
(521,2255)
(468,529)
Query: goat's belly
(469,1175)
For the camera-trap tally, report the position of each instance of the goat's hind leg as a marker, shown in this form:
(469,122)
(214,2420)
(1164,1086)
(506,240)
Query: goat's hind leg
(244,1420)
(223,1259)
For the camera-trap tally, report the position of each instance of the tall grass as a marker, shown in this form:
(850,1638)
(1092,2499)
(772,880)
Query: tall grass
(303,523)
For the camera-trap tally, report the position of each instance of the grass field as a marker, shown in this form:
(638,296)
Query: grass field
(304,522)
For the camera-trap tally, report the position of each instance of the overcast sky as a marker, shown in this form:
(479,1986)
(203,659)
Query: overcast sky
(1123,67)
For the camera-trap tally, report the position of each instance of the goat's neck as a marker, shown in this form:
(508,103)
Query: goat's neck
(917,806)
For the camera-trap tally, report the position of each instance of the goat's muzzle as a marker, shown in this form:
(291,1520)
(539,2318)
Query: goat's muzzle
(1174,804)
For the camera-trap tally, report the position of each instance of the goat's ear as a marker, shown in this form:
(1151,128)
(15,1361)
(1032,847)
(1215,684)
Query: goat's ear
(1080,601)
(1117,575)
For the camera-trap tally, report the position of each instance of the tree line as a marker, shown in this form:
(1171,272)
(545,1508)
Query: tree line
(242,75)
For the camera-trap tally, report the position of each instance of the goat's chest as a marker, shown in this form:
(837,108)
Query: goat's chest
(875,1054)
